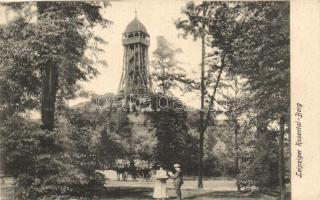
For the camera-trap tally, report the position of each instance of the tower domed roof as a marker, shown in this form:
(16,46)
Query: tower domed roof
(134,26)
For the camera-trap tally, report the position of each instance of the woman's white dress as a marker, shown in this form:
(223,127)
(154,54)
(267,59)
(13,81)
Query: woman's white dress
(160,188)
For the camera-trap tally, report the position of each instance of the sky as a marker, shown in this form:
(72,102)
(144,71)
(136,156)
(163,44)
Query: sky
(158,18)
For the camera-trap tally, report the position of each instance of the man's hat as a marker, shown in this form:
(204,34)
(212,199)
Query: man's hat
(176,166)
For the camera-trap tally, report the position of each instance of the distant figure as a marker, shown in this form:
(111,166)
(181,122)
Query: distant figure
(160,189)
(177,179)
(133,170)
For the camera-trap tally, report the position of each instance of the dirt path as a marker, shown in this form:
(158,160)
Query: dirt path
(212,185)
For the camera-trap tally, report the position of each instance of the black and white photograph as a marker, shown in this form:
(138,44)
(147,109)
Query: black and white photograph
(140,99)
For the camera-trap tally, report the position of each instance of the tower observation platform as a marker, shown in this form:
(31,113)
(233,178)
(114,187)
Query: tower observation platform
(135,79)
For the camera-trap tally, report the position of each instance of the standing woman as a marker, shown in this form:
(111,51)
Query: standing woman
(160,188)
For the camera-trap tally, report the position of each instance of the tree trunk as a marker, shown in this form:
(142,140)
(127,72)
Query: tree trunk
(237,154)
(236,131)
(204,123)
(281,160)
(201,136)
(48,99)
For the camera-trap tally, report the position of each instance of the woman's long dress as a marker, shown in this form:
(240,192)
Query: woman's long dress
(160,188)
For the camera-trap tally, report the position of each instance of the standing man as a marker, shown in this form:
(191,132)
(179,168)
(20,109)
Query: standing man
(177,180)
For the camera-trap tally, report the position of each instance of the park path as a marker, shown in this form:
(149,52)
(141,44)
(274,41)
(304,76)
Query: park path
(129,190)
(209,185)
(135,193)
(213,190)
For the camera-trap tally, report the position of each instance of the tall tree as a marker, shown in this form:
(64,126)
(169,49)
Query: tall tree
(262,57)
(66,55)
(196,25)
(251,40)
(167,72)
(49,48)
(214,20)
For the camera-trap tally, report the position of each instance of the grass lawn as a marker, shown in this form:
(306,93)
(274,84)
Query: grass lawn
(130,193)
(220,190)
(146,193)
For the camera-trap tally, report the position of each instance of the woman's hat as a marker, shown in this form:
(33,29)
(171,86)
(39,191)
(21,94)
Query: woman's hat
(176,166)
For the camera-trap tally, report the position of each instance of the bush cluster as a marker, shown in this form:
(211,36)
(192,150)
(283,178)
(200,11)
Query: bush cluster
(47,165)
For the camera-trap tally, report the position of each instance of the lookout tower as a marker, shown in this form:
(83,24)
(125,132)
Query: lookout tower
(135,72)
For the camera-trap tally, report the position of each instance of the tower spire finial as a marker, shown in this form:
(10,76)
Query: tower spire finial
(135,12)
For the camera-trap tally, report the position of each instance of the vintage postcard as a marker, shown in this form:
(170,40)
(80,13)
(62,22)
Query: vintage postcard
(162,99)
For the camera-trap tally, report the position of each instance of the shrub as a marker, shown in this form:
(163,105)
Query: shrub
(46,164)
(260,169)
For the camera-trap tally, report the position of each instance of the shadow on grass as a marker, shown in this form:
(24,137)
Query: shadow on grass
(129,193)
(146,193)
(234,195)
(222,194)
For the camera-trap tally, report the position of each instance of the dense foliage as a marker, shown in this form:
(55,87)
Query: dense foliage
(42,58)
(175,143)
(50,165)
(43,54)
(248,41)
